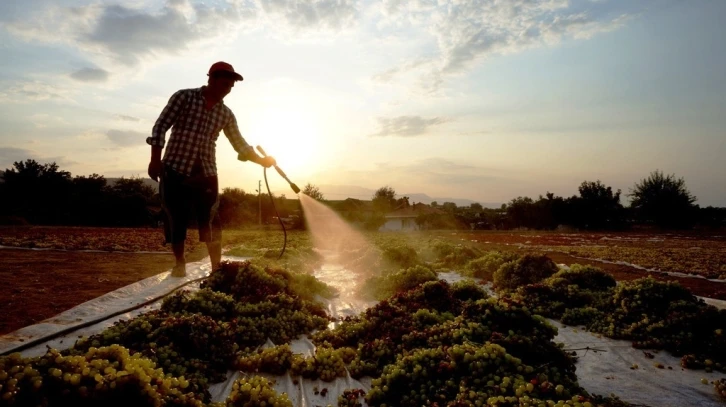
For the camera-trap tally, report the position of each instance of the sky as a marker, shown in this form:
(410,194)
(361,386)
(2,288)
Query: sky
(485,100)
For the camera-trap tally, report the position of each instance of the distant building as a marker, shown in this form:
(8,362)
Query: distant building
(404,219)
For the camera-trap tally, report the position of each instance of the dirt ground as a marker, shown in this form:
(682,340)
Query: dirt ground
(40,284)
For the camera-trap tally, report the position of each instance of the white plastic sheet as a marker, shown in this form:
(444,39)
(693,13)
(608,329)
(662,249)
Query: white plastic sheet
(604,369)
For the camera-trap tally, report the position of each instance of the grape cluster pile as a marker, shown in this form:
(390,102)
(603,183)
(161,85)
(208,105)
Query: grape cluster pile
(205,301)
(485,266)
(720,387)
(391,317)
(107,375)
(468,290)
(435,344)
(191,344)
(431,348)
(400,256)
(467,374)
(276,360)
(256,391)
(652,314)
(388,284)
(327,364)
(447,255)
(528,269)
(201,335)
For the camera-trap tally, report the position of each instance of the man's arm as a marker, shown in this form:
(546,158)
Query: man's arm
(245,152)
(166,119)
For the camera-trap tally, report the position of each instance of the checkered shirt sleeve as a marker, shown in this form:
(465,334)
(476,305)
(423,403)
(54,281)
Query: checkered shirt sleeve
(167,118)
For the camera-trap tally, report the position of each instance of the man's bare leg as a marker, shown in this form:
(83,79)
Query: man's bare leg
(180,270)
(215,253)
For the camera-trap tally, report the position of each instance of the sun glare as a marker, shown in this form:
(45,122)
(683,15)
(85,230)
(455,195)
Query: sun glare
(291,136)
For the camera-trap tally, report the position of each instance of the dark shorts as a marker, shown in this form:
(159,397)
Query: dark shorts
(184,197)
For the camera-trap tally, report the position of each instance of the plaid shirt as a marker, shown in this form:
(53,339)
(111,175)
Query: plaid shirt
(194,133)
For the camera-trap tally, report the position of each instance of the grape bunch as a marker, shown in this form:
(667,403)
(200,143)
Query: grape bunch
(528,269)
(108,375)
(204,301)
(484,267)
(327,364)
(468,290)
(247,282)
(720,387)
(371,357)
(276,360)
(256,391)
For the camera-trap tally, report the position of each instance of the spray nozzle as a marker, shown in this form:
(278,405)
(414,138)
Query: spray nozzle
(279,171)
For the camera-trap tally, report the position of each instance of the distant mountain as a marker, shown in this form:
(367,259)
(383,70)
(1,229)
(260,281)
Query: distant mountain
(423,198)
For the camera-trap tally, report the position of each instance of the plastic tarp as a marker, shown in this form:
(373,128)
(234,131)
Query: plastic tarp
(604,365)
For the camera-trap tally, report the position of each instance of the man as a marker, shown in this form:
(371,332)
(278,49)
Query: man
(187,175)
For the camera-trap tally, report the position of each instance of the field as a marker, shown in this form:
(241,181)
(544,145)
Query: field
(419,327)
(78,264)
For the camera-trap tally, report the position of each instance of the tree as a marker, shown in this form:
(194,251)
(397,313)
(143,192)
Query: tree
(449,207)
(402,202)
(89,203)
(40,193)
(132,186)
(237,208)
(664,200)
(313,191)
(384,199)
(129,200)
(597,207)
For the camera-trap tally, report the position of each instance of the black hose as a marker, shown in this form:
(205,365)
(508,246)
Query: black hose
(62,332)
(272,200)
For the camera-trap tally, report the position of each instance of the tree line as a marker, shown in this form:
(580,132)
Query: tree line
(43,194)
(659,200)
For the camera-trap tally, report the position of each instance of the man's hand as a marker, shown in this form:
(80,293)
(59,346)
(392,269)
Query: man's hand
(267,161)
(155,169)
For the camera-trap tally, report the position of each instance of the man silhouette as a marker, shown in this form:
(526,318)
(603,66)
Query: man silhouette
(187,174)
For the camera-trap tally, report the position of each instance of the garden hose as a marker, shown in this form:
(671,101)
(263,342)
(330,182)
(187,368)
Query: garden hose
(272,200)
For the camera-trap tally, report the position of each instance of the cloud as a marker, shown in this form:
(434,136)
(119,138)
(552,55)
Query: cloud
(126,138)
(33,91)
(318,15)
(90,75)
(126,118)
(129,35)
(10,155)
(45,120)
(467,32)
(407,126)
(390,74)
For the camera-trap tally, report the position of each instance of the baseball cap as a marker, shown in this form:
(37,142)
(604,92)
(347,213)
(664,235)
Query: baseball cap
(224,67)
